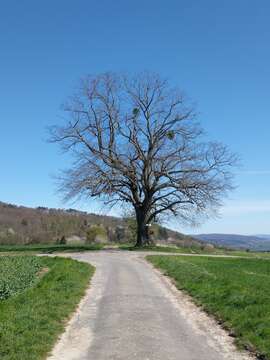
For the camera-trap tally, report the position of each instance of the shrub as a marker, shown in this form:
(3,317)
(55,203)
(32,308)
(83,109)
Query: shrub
(24,222)
(96,233)
(132,229)
(63,240)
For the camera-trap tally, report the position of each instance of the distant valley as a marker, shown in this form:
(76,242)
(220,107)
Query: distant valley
(251,242)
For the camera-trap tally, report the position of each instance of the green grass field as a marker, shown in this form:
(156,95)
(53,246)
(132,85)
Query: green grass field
(236,291)
(33,317)
(17,273)
(49,248)
(197,250)
(54,248)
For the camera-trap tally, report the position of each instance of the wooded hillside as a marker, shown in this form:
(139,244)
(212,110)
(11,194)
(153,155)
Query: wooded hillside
(23,225)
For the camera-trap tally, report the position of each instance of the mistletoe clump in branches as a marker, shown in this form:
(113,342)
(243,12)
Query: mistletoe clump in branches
(136,140)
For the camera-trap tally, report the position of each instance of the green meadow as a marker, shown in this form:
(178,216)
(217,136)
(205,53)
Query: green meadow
(236,291)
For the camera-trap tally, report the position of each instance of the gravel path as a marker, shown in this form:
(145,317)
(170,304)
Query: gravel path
(133,312)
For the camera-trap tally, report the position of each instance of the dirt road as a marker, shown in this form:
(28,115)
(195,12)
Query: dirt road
(132,312)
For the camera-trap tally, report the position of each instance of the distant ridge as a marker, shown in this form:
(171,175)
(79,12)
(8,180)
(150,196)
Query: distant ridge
(251,242)
(263,236)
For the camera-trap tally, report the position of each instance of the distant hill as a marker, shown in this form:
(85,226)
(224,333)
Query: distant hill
(24,225)
(263,236)
(256,242)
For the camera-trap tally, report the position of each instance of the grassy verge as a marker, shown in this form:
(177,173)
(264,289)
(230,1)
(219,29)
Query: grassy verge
(196,250)
(49,248)
(31,320)
(171,249)
(236,291)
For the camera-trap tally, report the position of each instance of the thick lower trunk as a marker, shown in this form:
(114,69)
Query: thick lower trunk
(142,230)
(142,236)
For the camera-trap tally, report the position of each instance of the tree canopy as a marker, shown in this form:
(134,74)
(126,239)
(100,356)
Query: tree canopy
(136,140)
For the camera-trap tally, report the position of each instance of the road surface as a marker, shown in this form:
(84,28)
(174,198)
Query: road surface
(132,312)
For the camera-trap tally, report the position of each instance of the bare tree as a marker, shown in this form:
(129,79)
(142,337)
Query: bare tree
(135,140)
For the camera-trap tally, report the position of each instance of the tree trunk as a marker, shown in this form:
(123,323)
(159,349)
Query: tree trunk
(142,229)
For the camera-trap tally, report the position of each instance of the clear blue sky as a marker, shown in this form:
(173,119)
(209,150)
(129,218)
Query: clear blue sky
(217,51)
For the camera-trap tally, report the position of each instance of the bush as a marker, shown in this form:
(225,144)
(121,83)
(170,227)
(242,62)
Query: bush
(63,240)
(132,229)
(24,222)
(96,233)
